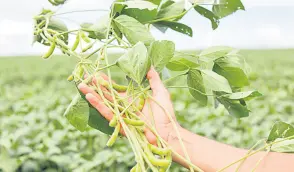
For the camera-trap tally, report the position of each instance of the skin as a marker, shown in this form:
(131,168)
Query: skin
(207,154)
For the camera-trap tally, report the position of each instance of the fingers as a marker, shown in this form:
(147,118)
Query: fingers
(150,137)
(86,89)
(155,82)
(100,106)
(96,101)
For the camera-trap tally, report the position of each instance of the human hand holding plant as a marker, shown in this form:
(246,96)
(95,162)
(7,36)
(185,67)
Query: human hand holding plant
(150,112)
(214,76)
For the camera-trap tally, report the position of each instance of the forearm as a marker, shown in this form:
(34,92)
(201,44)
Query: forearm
(212,156)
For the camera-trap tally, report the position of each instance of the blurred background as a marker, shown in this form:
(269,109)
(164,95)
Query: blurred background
(34,93)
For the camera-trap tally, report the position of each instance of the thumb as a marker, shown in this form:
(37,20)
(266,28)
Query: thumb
(155,82)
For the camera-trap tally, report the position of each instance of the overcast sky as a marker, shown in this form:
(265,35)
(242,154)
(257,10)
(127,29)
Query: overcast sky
(264,24)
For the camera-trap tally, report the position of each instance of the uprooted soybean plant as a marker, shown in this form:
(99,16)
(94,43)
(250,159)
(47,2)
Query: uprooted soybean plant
(214,76)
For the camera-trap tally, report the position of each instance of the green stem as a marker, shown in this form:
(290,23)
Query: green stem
(253,153)
(260,160)
(154,131)
(174,77)
(176,129)
(105,67)
(79,11)
(94,52)
(249,151)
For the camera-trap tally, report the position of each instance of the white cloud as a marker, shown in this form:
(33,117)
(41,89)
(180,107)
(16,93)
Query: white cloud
(265,24)
(11,27)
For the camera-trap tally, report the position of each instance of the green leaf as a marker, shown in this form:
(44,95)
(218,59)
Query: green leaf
(182,61)
(170,9)
(235,75)
(118,6)
(143,11)
(133,30)
(97,30)
(215,81)
(160,53)
(213,53)
(247,95)
(96,120)
(176,26)
(197,89)
(280,130)
(135,63)
(234,107)
(208,14)
(285,146)
(227,7)
(157,2)
(77,113)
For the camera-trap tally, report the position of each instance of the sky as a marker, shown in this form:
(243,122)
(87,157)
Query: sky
(265,24)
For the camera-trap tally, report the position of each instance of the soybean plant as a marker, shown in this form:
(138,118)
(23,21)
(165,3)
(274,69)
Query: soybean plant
(214,76)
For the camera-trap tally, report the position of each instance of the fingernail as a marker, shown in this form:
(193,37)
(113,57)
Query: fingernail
(81,85)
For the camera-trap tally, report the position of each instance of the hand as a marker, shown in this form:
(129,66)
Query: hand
(163,124)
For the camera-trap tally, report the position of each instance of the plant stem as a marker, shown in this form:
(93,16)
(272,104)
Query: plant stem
(176,129)
(259,161)
(249,151)
(108,42)
(105,67)
(153,130)
(258,150)
(79,11)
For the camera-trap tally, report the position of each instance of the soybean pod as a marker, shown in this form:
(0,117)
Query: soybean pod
(50,51)
(76,43)
(88,47)
(136,168)
(169,158)
(114,136)
(85,37)
(159,151)
(113,122)
(119,88)
(157,162)
(134,122)
(141,102)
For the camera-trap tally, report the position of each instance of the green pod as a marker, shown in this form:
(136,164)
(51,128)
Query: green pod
(159,151)
(88,47)
(141,102)
(114,136)
(70,78)
(76,43)
(157,162)
(113,122)
(79,72)
(119,88)
(135,169)
(85,37)
(50,51)
(134,122)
